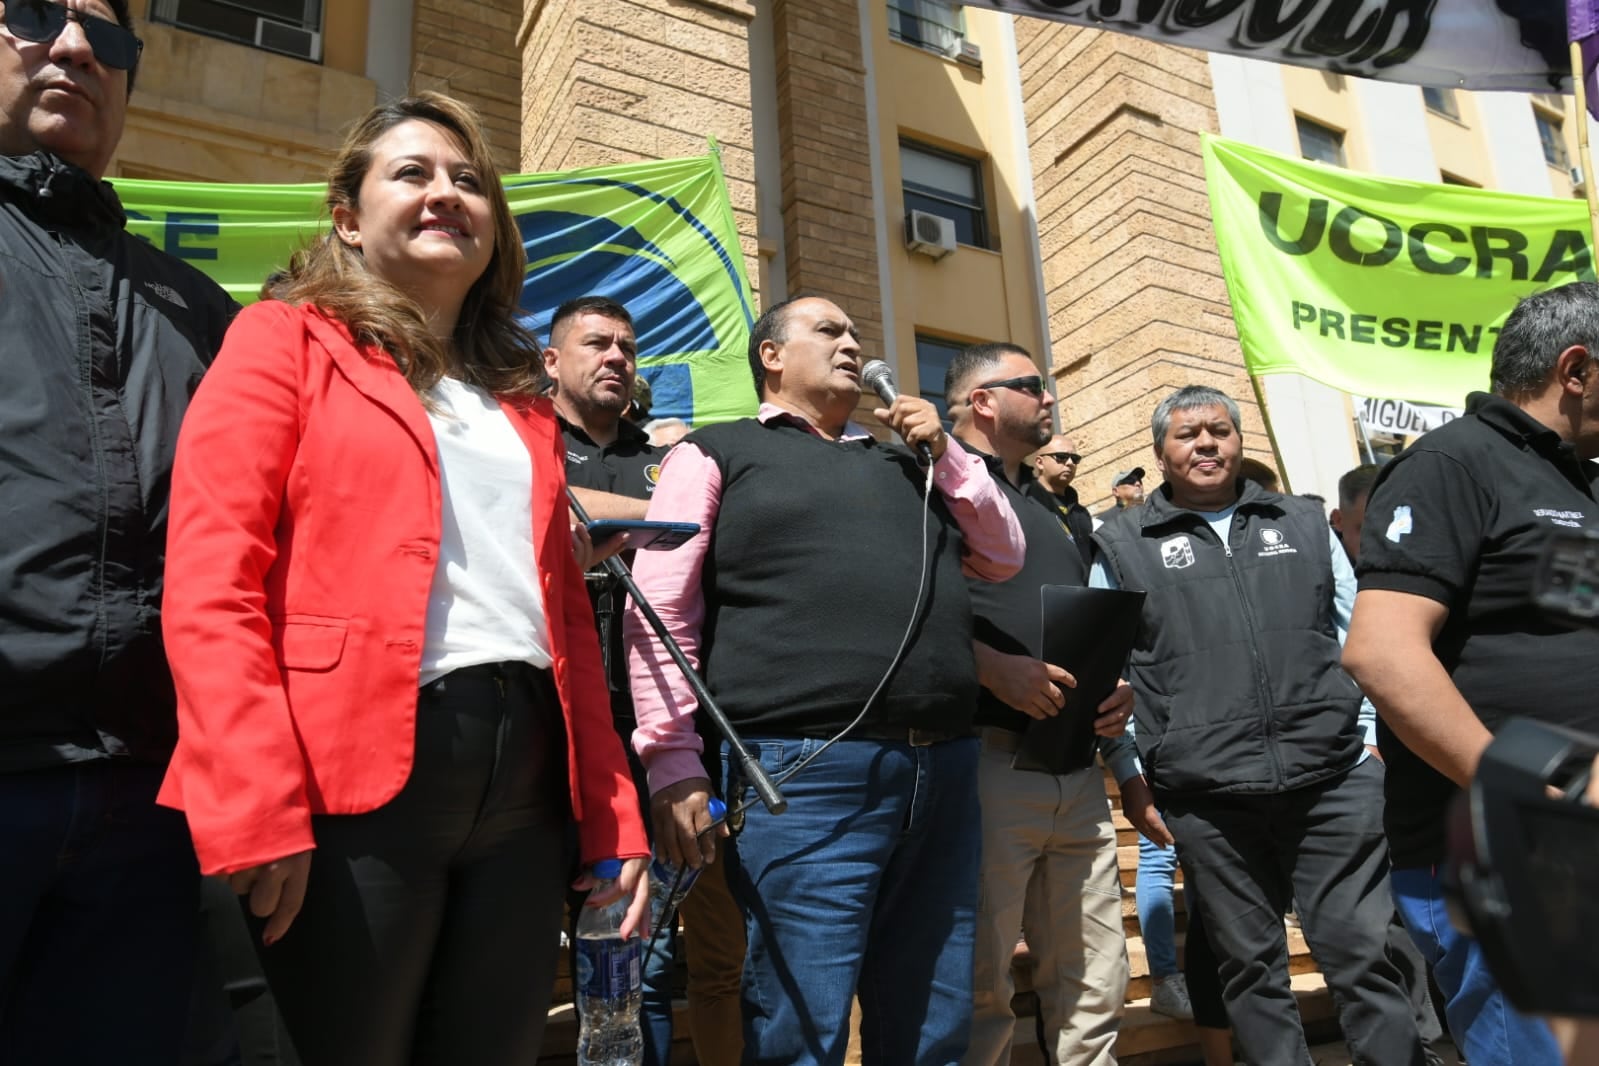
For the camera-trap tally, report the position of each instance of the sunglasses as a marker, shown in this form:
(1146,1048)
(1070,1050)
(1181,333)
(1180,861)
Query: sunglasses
(41,21)
(1033,385)
(1064,457)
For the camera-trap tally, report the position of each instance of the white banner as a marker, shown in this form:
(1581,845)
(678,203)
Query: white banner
(1399,418)
(1469,44)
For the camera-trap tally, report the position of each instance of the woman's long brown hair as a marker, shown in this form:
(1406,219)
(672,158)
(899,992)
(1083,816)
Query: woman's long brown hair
(490,348)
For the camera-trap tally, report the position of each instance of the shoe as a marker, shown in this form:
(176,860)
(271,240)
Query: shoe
(1171,999)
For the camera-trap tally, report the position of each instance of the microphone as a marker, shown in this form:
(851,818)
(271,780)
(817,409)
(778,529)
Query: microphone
(879,377)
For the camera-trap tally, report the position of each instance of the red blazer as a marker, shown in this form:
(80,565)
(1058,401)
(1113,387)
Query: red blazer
(300,553)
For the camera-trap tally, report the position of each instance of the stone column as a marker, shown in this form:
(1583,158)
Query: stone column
(467,48)
(1133,284)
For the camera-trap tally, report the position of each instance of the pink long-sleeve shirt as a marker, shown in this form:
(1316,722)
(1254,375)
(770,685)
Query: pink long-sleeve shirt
(690,490)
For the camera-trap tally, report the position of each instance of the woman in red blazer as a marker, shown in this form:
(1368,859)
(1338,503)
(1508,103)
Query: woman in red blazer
(390,694)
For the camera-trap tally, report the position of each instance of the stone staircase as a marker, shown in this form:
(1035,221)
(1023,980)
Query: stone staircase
(1146,1039)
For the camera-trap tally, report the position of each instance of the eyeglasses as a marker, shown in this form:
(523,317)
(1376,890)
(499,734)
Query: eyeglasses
(1064,457)
(41,21)
(1033,385)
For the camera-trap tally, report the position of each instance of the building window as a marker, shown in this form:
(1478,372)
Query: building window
(935,25)
(933,356)
(1321,143)
(948,185)
(1552,136)
(292,27)
(1441,101)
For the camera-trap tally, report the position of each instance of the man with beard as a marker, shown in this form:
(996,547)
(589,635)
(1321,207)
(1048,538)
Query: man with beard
(1049,846)
(1248,732)
(592,360)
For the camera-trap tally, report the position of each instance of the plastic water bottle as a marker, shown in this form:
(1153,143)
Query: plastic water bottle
(666,890)
(609,994)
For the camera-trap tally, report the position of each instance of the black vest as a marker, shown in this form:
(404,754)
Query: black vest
(813,569)
(1009,614)
(1236,665)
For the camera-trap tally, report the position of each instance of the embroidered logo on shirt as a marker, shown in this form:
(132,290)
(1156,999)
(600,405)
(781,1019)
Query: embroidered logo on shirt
(652,474)
(1177,553)
(1275,543)
(575,457)
(1573,519)
(1400,525)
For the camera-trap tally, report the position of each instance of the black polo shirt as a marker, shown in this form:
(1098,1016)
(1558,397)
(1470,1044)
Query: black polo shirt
(1461,518)
(628,466)
(1072,514)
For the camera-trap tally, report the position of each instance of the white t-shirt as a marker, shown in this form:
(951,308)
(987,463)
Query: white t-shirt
(485,605)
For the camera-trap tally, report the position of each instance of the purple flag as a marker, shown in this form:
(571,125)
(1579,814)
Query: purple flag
(1582,25)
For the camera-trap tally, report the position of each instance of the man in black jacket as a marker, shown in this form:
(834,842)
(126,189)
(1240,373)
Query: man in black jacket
(105,339)
(1248,731)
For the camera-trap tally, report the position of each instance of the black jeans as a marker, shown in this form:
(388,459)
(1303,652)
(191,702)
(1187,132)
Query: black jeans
(1323,848)
(431,925)
(98,900)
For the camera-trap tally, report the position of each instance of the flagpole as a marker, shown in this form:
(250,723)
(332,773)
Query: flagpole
(1590,180)
(1271,435)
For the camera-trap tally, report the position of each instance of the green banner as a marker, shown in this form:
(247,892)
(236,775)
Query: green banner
(657,237)
(1378,286)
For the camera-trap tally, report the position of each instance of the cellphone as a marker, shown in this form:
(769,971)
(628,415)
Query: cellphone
(647,536)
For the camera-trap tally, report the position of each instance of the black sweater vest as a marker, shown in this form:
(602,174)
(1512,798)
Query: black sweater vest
(810,580)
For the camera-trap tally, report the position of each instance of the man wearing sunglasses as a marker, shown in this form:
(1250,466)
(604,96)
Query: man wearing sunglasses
(105,338)
(1049,846)
(1054,467)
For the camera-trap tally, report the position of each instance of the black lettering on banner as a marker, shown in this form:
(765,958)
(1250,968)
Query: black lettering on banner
(1332,321)
(1396,332)
(1361,329)
(1426,263)
(1461,339)
(1429,334)
(1271,205)
(1512,251)
(1568,254)
(1340,239)
(1303,313)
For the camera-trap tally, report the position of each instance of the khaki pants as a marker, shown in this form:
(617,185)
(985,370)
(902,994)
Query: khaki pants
(1049,866)
(713,931)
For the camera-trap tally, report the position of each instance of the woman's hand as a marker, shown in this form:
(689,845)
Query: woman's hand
(633,881)
(276,890)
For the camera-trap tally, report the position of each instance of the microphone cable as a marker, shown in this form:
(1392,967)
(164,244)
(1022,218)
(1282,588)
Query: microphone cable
(736,812)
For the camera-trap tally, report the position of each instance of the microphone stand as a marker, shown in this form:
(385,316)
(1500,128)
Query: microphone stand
(754,772)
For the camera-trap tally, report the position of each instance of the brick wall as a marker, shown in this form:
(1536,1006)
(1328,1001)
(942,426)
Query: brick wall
(467,48)
(1132,281)
(613,81)
(829,223)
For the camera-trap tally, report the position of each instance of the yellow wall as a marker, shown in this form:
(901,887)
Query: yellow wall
(212,110)
(974,294)
(1324,97)
(1457,144)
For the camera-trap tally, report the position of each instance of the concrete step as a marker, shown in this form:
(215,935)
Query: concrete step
(1150,1039)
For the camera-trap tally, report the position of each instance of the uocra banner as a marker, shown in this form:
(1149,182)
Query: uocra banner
(657,237)
(1471,44)
(1377,286)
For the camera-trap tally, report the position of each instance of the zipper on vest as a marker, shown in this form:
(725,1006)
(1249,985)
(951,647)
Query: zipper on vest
(1260,670)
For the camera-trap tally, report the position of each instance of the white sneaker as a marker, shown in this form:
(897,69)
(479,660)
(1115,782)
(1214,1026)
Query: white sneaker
(1171,999)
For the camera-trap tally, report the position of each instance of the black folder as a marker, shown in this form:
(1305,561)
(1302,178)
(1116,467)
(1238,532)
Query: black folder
(1088,633)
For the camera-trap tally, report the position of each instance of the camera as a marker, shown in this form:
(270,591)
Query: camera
(1523,873)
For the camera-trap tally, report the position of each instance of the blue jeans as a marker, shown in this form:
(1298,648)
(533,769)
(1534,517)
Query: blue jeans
(1157,922)
(99,910)
(1486,1028)
(868,883)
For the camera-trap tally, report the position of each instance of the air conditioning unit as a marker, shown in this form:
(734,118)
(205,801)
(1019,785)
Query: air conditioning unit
(1576,176)
(929,234)
(289,39)
(968,53)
